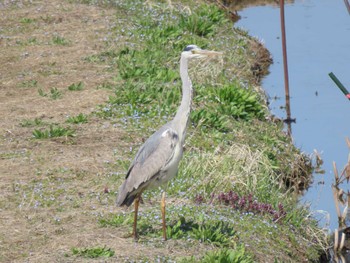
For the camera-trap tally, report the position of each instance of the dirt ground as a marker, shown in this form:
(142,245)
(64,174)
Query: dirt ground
(32,170)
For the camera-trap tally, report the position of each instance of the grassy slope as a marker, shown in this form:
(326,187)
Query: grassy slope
(64,192)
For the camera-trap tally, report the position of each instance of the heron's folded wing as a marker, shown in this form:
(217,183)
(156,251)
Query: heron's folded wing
(152,157)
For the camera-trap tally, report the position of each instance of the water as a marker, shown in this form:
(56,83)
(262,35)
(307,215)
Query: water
(318,42)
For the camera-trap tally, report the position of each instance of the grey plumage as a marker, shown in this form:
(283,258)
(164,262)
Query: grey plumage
(150,164)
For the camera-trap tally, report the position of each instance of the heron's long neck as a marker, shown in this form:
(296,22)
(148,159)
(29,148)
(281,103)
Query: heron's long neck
(183,112)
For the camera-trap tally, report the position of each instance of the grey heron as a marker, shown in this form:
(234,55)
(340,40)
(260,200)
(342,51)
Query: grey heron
(158,159)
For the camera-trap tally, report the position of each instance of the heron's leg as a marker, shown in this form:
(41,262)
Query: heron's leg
(137,202)
(163,215)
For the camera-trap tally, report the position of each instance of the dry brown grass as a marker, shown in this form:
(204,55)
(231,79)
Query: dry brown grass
(30,169)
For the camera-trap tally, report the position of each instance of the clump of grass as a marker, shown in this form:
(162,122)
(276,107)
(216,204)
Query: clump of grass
(29,84)
(115,221)
(27,20)
(80,118)
(224,255)
(42,93)
(54,93)
(52,132)
(76,86)
(94,252)
(106,85)
(31,123)
(61,41)
(204,21)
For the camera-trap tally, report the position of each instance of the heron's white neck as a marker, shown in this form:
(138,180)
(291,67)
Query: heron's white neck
(183,113)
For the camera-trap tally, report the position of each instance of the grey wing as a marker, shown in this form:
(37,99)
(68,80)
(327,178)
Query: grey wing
(149,161)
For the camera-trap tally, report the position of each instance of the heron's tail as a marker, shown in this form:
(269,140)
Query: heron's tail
(125,197)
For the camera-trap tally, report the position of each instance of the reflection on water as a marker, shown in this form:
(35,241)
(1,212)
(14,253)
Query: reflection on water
(318,38)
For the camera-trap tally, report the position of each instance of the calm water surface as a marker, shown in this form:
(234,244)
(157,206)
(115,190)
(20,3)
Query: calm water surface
(318,42)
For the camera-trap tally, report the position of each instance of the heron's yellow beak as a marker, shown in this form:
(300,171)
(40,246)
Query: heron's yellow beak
(206,52)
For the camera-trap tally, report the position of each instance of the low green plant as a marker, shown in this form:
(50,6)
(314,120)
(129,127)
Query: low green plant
(224,104)
(106,85)
(116,220)
(204,21)
(55,94)
(94,252)
(80,118)
(216,233)
(42,93)
(76,86)
(181,228)
(26,20)
(29,84)
(223,255)
(52,132)
(58,40)
(31,123)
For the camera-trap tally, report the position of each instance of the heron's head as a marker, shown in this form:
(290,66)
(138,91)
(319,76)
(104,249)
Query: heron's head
(193,51)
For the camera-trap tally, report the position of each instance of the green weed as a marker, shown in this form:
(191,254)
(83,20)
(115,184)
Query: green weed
(223,255)
(204,21)
(115,221)
(95,252)
(76,86)
(106,85)
(181,228)
(26,20)
(29,83)
(80,118)
(58,40)
(52,132)
(31,123)
(42,93)
(55,94)
(215,233)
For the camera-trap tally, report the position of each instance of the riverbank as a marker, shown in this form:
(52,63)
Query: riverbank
(85,84)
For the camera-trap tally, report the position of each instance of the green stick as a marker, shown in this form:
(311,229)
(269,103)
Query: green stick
(340,85)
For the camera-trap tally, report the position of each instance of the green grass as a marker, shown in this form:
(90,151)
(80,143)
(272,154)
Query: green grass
(76,86)
(29,84)
(31,123)
(54,93)
(53,132)
(61,41)
(80,118)
(237,255)
(95,252)
(27,20)
(116,221)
